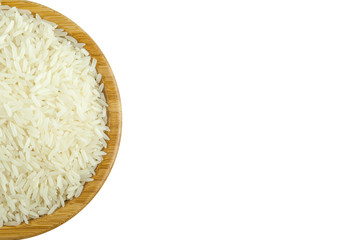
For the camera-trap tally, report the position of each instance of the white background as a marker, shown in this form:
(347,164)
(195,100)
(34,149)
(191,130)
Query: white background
(241,120)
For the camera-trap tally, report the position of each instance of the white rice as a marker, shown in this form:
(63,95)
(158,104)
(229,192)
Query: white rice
(52,117)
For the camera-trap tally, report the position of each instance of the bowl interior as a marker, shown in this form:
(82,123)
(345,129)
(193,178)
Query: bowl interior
(60,216)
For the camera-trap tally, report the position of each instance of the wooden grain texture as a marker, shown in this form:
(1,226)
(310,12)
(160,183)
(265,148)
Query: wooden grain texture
(60,216)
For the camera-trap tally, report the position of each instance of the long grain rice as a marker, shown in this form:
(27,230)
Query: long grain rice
(52,117)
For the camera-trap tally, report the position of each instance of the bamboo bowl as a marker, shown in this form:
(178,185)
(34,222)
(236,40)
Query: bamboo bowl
(61,215)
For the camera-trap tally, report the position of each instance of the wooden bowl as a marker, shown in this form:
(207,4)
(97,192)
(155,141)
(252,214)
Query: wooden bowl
(60,216)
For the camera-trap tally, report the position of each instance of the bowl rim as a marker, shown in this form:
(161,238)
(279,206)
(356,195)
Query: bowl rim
(60,216)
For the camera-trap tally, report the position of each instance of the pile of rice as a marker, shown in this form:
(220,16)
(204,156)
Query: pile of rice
(52,117)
